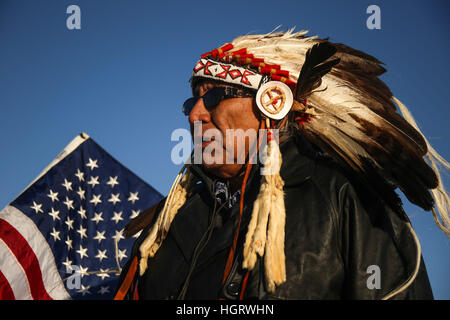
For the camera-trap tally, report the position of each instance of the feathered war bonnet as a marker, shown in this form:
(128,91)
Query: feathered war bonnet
(341,106)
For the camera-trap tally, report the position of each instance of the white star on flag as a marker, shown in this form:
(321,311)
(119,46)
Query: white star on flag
(82,232)
(92,164)
(82,252)
(68,264)
(121,255)
(80,175)
(55,235)
(118,236)
(37,207)
(133,197)
(84,290)
(101,255)
(53,195)
(96,199)
(69,223)
(69,203)
(100,236)
(117,217)
(94,181)
(103,289)
(81,193)
(69,243)
(82,213)
(83,271)
(97,217)
(112,181)
(54,214)
(104,274)
(114,198)
(67,185)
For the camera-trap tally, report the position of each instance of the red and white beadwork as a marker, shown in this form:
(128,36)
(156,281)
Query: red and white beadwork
(207,68)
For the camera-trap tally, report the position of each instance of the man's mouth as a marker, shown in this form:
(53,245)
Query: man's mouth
(206,141)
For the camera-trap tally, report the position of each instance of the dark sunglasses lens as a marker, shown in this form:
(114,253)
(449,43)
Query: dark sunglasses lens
(213,97)
(188,105)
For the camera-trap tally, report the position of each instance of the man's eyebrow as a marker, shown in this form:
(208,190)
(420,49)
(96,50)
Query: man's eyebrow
(196,90)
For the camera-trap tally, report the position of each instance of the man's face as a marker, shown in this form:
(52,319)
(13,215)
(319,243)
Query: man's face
(234,113)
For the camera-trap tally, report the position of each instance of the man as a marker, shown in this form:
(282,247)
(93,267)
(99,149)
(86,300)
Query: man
(317,217)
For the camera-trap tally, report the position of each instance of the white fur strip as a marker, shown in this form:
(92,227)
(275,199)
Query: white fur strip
(265,235)
(175,200)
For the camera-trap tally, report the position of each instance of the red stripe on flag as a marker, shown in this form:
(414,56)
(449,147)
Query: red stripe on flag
(6,293)
(26,257)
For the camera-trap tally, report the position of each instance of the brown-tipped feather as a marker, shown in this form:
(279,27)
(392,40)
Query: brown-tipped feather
(143,220)
(315,66)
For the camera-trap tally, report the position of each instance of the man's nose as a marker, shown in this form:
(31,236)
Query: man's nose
(199,113)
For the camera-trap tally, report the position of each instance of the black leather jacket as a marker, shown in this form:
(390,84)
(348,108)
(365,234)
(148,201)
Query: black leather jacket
(336,228)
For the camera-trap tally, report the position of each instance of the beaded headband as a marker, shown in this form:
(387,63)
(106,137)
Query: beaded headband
(239,68)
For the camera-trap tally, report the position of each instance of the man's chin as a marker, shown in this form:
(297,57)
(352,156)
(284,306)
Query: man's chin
(223,171)
(214,169)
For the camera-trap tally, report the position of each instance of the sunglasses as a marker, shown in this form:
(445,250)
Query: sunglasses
(214,96)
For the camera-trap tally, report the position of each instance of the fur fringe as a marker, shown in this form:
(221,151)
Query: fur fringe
(265,235)
(175,200)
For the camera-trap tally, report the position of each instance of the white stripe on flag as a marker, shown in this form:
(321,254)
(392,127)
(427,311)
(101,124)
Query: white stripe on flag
(53,283)
(14,273)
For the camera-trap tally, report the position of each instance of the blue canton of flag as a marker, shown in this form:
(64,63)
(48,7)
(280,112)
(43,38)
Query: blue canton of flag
(68,224)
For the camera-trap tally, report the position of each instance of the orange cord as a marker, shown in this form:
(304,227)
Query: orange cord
(128,280)
(283,123)
(244,285)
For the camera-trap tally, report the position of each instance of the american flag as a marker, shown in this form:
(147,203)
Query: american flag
(62,237)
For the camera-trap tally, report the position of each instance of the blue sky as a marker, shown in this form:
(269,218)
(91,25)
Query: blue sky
(123,77)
